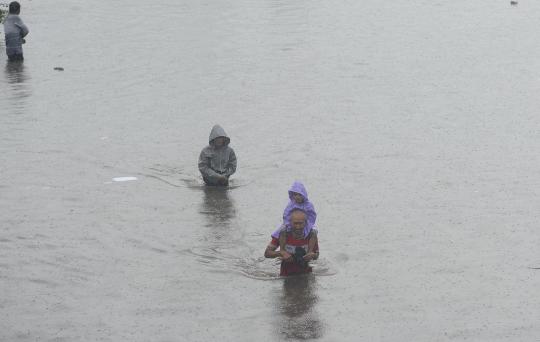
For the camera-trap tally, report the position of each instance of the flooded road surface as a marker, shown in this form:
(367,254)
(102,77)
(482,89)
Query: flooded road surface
(413,124)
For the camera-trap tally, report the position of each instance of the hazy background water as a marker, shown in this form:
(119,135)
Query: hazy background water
(413,124)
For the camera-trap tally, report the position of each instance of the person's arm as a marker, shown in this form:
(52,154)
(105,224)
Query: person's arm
(287,213)
(22,27)
(271,252)
(313,247)
(204,166)
(231,165)
(282,239)
(311,214)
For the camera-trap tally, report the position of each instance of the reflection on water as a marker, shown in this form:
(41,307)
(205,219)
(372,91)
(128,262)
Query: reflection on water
(217,208)
(18,89)
(298,317)
(224,247)
(15,72)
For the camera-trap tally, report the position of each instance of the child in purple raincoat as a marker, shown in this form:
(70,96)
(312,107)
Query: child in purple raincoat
(298,200)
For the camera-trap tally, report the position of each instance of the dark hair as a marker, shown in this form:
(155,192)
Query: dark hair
(14,7)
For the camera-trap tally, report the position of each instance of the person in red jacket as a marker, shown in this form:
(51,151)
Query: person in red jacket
(296,255)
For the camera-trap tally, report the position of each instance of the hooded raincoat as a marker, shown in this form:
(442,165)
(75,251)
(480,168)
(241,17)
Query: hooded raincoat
(215,161)
(306,206)
(15,30)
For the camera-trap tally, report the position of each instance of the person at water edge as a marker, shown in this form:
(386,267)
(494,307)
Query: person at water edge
(15,31)
(217,161)
(298,200)
(296,255)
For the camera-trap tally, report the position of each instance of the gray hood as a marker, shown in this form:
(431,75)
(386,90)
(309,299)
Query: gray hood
(218,131)
(215,162)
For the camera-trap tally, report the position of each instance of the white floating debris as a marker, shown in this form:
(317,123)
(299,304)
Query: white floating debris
(124,179)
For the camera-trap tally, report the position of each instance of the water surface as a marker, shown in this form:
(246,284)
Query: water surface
(413,125)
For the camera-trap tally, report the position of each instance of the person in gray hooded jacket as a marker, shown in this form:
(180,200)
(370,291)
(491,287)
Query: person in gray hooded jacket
(15,31)
(217,161)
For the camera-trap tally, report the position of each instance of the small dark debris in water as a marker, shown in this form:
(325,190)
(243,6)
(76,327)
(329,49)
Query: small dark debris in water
(534,268)
(513,3)
(59,68)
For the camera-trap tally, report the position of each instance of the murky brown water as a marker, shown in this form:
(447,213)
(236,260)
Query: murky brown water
(413,124)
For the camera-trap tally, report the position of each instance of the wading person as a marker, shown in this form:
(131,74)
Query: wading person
(217,161)
(299,249)
(15,31)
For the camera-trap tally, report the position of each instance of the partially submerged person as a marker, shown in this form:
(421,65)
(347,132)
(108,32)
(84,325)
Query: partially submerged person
(296,252)
(298,200)
(15,31)
(217,161)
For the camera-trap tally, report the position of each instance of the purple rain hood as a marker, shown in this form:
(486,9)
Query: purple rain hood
(306,206)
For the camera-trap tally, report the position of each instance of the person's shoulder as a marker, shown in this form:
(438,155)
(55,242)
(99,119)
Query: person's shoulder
(284,230)
(274,242)
(229,152)
(309,206)
(207,150)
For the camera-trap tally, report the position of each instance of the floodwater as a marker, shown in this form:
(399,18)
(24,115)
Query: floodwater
(414,125)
